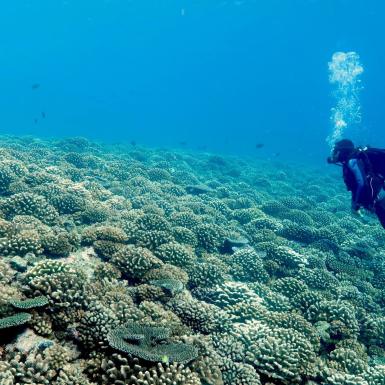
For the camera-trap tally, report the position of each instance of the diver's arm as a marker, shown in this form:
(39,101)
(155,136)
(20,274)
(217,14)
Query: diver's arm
(354,166)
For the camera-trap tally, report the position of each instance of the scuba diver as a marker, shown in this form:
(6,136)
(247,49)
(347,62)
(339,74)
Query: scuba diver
(363,171)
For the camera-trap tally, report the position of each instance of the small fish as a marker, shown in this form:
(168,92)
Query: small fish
(44,344)
(259,145)
(165,359)
(43,114)
(35,86)
(276,154)
(73,333)
(133,143)
(183,143)
(35,120)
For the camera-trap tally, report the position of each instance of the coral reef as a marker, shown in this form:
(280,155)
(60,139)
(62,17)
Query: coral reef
(123,266)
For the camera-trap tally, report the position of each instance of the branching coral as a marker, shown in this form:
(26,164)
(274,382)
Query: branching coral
(175,374)
(134,262)
(61,284)
(280,353)
(200,316)
(339,315)
(205,275)
(29,204)
(175,254)
(209,236)
(247,265)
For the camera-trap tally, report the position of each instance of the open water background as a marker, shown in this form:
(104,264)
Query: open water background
(218,75)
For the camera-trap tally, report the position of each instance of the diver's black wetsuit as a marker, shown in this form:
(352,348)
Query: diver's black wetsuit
(364,175)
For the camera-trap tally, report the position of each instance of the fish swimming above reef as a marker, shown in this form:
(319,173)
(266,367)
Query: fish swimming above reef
(43,115)
(198,189)
(35,86)
(231,245)
(259,146)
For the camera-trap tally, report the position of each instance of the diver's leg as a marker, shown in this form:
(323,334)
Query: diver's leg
(379,209)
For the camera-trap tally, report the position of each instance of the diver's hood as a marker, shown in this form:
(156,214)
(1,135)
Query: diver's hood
(341,151)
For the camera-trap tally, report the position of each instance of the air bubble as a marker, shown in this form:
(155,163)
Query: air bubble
(344,74)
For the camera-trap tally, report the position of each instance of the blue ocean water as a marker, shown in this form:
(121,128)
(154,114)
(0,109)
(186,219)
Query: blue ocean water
(217,75)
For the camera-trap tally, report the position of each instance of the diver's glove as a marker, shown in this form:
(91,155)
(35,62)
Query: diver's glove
(356,210)
(358,213)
